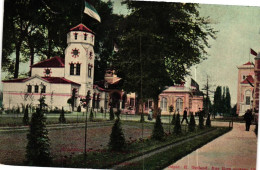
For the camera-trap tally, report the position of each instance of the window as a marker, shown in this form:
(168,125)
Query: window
(179,104)
(36,89)
(247,100)
(76,36)
(85,36)
(92,38)
(244,77)
(43,90)
(90,55)
(29,88)
(78,69)
(146,106)
(89,70)
(164,104)
(71,69)
(132,102)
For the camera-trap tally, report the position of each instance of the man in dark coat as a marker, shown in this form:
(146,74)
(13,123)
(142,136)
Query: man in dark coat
(185,116)
(248,117)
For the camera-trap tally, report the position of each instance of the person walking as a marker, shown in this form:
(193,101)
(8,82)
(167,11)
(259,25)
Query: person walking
(248,117)
(185,116)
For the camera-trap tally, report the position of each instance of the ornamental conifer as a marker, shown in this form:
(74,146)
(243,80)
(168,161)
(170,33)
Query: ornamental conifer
(201,119)
(177,127)
(173,119)
(62,118)
(158,131)
(79,109)
(38,146)
(26,116)
(111,114)
(91,116)
(208,121)
(192,123)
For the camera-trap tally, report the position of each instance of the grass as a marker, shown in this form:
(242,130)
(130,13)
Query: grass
(104,158)
(168,157)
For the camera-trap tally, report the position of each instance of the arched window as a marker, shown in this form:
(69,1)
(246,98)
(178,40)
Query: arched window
(163,104)
(247,97)
(76,36)
(43,90)
(78,69)
(36,89)
(179,104)
(71,69)
(85,36)
(29,88)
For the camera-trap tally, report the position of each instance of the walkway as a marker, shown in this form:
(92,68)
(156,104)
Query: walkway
(235,150)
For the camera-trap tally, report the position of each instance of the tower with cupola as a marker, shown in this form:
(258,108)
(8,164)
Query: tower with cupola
(79,58)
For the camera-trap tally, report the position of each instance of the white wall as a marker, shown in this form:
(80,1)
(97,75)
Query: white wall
(56,72)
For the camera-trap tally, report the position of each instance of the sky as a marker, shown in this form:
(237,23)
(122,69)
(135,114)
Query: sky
(238,30)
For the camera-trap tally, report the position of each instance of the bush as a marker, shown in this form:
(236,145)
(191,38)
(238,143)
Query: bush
(173,119)
(177,127)
(117,138)
(26,116)
(101,110)
(208,121)
(201,120)
(38,146)
(62,118)
(18,110)
(192,124)
(142,118)
(111,114)
(158,131)
(91,116)
(79,109)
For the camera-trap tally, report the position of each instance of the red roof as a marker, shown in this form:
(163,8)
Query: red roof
(248,63)
(55,80)
(248,79)
(81,27)
(52,62)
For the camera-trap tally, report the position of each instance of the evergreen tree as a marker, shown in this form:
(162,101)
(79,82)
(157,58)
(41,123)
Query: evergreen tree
(208,121)
(91,116)
(26,116)
(177,127)
(228,101)
(173,119)
(117,138)
(18,110)
(201,119)
(192,123)
(142,118)
(217,100)
(38,146)
(62,118)
(158,131)
(111,114)
(101,110)
(79,109)
(223,101)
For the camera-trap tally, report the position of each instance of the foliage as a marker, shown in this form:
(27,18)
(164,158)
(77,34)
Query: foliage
(18,110)
(177,126)
(192,123)
(208,121)
(117,138)
(171,108)
(201,119)
(101,110)
(222,100)
(38,146)
(26,116)
(42,103)
(91,116)
(234,110)
(79,109)
(173,119)
(62,118)
(142,118)
(158,131)
(217,100)
(165,51)
(111,114)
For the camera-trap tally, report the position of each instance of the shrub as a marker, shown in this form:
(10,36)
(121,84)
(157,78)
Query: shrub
(26,116)
(111,114)
(208,121)
(117,138)
(62,118)
(91,116)
(177,127)
(101,110)
(18,110)
(79,108)
(118,112)
(201,120)
(192,124)
(158,131)
(142,118)
(173,119)
(38,146)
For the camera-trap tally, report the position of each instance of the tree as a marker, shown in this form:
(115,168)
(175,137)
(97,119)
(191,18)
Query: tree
(111,114)
(79,109)
(192,123)
(62,118)
(217,106)
(26,116)
(91,116)
(117,138)
(158,131)
(228,101)
(234,110)
(173,119)
(164,51)
(38,146)
(177,127)
(201,119)
(206,100)
(208,121)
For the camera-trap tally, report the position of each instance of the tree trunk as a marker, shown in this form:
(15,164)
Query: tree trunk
(155,109)
(137,102)
(17,59)
(32,59)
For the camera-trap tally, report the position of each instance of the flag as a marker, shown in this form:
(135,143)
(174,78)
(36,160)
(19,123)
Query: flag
(253,52)
(91,11)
